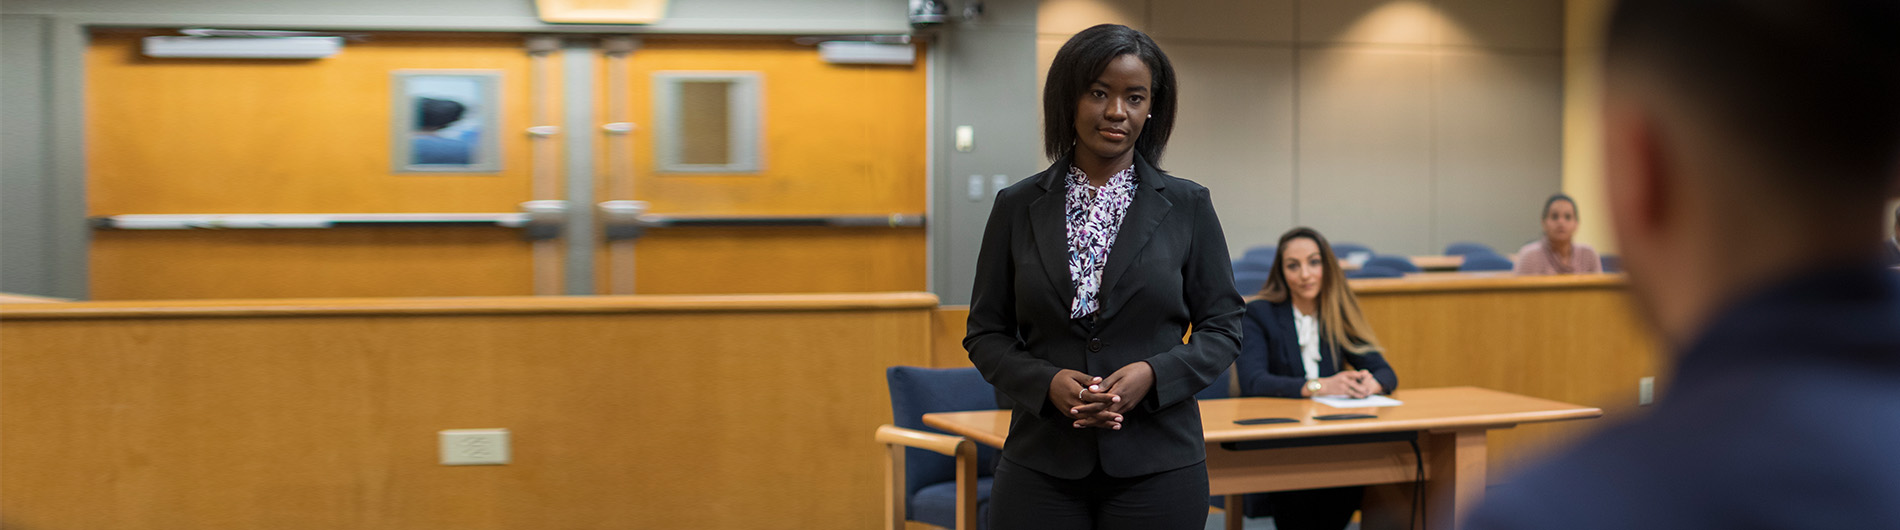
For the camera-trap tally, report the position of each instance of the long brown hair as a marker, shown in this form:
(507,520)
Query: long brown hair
(1339,316)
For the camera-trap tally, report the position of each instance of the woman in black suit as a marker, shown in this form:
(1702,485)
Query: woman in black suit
(1088,276)
(1302,326)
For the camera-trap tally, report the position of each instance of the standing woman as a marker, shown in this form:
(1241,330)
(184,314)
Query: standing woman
(1089,274)
(1302,328)
(1557,253)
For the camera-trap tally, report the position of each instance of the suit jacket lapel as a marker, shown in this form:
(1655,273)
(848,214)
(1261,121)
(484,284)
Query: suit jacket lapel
(1289,337)
(1138,225)
(1048,223)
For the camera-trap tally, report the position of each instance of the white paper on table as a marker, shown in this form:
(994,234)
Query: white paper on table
(1351,403)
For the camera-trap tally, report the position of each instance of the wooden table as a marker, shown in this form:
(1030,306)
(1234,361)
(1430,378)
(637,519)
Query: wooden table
(1449,425)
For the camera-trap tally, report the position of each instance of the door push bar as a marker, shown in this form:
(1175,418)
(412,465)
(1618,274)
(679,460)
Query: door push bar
(541,219)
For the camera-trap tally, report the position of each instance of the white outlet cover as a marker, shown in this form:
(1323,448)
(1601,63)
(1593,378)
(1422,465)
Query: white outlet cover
(474,447)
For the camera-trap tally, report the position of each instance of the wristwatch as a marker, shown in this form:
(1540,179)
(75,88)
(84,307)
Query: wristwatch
(1312,387)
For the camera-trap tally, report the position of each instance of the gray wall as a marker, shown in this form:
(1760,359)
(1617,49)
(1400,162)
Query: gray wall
(1401,124)
(988,69)
(24,192)
(42,184)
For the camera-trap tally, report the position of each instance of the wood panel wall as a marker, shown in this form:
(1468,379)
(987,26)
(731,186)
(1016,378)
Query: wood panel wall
(182,136)
(1568,338)
(1574,339)
(225,136)
(839,140)
(625,412)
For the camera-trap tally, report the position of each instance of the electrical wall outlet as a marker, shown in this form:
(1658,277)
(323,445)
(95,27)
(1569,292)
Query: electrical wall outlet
(1645,391)
(475,447)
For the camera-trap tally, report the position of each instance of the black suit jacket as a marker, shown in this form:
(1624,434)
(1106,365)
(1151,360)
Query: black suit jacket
(1270,362)
(1168,269)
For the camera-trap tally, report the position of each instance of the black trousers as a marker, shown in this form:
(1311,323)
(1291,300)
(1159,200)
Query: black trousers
(1025,499)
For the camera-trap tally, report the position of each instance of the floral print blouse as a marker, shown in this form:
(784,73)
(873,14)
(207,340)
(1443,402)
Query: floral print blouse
(1094,217)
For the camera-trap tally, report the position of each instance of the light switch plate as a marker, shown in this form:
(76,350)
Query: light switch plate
(475,447)
(966,138)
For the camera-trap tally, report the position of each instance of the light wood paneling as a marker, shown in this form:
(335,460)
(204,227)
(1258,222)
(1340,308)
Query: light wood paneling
(154,265)
(839,139)
(499,305)
(949,324)
(1573,339)
(779,260)
(10,298)
(293,136)
(734,414)
(284,136)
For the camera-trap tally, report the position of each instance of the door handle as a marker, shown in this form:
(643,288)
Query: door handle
(621,219)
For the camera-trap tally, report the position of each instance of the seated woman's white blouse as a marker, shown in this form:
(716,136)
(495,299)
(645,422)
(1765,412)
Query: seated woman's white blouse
(1307,327)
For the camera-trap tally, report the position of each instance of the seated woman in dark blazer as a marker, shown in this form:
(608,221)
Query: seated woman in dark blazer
(1297,332)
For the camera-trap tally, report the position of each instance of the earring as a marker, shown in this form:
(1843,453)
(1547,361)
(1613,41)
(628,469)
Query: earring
(1151,116)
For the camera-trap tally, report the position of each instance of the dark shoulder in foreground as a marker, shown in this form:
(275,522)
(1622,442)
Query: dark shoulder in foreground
(1785,415)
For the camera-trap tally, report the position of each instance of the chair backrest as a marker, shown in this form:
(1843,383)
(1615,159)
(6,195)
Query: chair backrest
(1611,263)
(1466,248)
(1249,282)
(1260,254)
(1488,261)
(1397,263)
(1252,266)
(1344,251)
(916,391)
(1375,271)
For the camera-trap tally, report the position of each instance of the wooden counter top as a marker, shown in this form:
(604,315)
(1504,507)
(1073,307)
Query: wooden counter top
(467,305)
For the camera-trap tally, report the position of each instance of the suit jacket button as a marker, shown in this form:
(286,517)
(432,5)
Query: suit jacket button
(1095,345)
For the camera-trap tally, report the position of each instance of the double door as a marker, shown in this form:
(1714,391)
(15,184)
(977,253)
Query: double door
(586,165)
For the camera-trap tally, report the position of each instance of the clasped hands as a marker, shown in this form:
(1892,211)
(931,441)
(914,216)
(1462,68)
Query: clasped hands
(1355,383)
(1099,402)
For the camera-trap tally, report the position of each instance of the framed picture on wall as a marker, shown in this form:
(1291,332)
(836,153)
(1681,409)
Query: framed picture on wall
(445,121)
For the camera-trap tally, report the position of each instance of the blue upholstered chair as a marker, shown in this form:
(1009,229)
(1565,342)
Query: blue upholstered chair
(1344,251)
(943,480)
(1252,266)
(1374,271)
(1260,254)
(1467,248)
(1611,263)
(1486,261)
(1249,282)
(1397,263)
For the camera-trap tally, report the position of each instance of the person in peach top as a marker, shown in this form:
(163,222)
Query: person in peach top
(1557,253)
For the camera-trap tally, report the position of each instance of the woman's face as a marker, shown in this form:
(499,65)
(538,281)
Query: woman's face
(1560,221)
(1109,116)
(1304,267)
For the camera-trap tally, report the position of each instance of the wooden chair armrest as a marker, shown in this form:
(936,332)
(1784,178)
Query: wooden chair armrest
(943,444)
(895,439)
